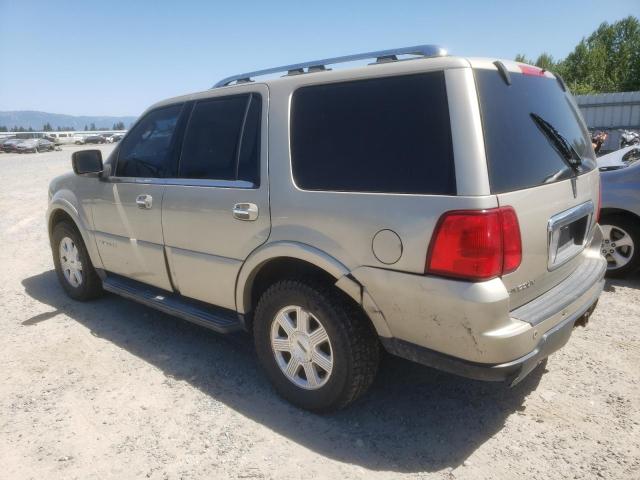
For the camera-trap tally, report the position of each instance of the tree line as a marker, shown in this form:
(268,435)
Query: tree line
(608,60)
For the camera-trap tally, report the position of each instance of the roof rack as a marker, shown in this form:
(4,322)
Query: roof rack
(381,56)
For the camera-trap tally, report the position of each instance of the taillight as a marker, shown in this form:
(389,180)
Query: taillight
(475,244)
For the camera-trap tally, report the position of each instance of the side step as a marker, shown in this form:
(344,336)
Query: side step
(218,319)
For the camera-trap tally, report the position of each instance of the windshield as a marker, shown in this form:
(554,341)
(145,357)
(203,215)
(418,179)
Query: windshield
(525,126)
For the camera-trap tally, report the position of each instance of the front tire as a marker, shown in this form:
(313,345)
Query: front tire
(72,263)
(317,349)
(620,244)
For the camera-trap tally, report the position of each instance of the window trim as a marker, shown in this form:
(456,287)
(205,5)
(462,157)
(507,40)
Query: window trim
(290,100)
(186,182)
(221,183)
(119,179)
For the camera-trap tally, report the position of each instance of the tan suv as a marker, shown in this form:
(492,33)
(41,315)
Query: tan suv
(442,208)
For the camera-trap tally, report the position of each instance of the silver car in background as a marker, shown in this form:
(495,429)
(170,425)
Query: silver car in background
(34,145)
(620,221)
(440,207)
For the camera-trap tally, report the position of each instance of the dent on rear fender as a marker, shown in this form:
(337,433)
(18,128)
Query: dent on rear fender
(461,319)
(356,291)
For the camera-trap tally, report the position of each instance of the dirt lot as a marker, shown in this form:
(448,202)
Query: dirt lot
(111,389)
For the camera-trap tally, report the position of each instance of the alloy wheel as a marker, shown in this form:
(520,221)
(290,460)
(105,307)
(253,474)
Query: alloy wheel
(301,347)
(617,246)
(70,262)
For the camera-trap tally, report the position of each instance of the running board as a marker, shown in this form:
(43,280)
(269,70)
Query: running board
(218,319)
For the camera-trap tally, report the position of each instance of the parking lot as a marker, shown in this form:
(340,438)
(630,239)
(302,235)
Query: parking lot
(114,389)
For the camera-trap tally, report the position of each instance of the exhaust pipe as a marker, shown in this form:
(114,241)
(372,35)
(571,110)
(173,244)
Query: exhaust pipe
(584,319)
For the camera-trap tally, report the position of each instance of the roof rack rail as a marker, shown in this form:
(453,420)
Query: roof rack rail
(381,56)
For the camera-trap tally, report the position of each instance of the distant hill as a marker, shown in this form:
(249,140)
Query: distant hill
(36,120)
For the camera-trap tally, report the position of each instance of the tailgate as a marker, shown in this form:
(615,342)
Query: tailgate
(540,162)
(555,227)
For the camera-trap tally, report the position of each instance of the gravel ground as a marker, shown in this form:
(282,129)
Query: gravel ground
(111,389)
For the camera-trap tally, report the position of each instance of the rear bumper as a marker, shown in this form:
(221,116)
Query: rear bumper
(468,328)
(511,372)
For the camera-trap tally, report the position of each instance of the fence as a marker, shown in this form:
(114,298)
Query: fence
(611,112)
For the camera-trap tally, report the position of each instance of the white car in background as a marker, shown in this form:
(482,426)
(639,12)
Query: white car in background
(60,138)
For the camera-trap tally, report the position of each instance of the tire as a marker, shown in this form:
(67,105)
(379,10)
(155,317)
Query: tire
(625,258)
(352,345)
(85,286)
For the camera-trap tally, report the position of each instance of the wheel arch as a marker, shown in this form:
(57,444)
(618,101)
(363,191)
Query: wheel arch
(61,209)
(60,215)
(277,260)
(618,211)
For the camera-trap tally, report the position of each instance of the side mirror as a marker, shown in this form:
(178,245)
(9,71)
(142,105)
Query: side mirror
(86,161)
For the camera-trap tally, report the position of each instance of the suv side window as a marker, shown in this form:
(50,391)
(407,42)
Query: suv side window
(388,135)
(222,140)
(146,151)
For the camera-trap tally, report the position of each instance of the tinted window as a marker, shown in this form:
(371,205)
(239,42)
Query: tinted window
(249,156)
(212,148)
(382,135)
(145,152)
(519,153)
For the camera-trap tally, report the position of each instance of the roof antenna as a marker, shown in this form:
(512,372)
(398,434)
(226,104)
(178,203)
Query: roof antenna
(504,73)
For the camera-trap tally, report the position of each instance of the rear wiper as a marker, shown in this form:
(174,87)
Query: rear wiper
(559,142)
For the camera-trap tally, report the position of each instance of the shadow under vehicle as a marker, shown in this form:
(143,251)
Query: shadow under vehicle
(414,419)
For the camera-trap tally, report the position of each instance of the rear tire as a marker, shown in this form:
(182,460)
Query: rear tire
(73,265)
(334,350)
(621,244)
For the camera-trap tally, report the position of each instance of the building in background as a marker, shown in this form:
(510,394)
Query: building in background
(611,112)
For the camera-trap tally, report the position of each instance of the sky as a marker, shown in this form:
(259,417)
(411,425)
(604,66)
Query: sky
(118,57)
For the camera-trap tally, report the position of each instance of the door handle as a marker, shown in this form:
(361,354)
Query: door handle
(245,211)
(144,201)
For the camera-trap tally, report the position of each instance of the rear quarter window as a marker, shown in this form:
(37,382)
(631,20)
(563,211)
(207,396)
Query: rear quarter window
(388,135)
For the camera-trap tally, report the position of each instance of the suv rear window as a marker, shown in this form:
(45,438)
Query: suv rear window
(387,135)
(519,154)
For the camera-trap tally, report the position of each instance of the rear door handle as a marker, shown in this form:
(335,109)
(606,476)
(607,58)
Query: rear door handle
(245,211)
(144,201)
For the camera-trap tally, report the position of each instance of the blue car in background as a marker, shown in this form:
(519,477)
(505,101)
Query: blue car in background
(620,214)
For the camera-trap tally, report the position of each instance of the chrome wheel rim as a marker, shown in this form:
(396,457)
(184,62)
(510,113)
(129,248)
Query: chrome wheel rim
(70,262)
(617,246)
(301,347)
